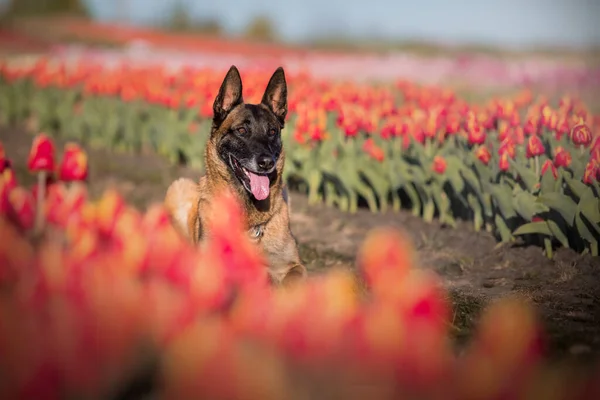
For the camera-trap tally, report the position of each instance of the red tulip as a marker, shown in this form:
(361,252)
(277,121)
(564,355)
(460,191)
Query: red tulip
(41,160)
(548,164)
(507,146)
(581,134)
(41,156)
(476,134)
(562,157)
(595,155)
(439,165)
(592,170)
(504,163)
(535,147)
(483,154)
(74,165)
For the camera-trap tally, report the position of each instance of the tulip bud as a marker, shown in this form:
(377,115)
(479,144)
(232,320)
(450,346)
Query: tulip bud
(549,165)
(483,154)
(41,156)
(439,165)
(535,147)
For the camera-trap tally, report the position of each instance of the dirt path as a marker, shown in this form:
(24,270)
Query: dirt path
(473,268)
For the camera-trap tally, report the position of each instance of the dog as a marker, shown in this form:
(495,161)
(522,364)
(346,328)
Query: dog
(244,153)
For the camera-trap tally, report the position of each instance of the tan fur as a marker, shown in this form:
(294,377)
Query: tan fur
(187,202)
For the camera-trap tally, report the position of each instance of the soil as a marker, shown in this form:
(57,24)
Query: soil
(473,267)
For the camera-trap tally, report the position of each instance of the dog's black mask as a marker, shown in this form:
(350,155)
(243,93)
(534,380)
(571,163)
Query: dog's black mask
(249,140)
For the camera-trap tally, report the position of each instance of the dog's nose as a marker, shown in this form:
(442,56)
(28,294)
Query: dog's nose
(265,162)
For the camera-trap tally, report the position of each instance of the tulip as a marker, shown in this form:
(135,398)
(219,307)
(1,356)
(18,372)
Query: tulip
(476,134)
(549,165)
(592,170)
(74,165)
(504,163)
(41,161)
(562,157)
(483,154)
(581,135)
(535,148)
(439,165)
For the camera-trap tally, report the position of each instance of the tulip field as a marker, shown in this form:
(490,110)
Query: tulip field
(452,243)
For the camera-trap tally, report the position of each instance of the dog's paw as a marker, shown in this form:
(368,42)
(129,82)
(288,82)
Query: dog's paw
(295,275)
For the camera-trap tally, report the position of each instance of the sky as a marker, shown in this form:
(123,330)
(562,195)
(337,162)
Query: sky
(510,23)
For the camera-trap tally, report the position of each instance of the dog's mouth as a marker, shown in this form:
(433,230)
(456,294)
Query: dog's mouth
(255,183)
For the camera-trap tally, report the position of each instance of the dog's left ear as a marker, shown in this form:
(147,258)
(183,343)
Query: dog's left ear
(275,96)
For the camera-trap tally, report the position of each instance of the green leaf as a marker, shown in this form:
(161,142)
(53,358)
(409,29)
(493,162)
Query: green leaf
(533,228)
(576,186)
(470,177)
(453,168)
(561,203)
(558,233)
(547,183)
(529,178)
(526,206)
(589,205)
(476,207)
(505,233)
(502,196)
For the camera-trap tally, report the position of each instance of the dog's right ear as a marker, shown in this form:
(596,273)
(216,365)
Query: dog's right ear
(230,94)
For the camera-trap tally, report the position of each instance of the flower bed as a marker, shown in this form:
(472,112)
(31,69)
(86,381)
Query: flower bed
(520,166)
(96,297)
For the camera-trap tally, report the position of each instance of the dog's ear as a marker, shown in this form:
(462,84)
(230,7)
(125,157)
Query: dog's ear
(275,96)
(230,94)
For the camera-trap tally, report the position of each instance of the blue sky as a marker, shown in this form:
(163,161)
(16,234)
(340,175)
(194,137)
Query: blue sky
(501,22)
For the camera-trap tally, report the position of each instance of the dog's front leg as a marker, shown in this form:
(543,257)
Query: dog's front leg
(285,267)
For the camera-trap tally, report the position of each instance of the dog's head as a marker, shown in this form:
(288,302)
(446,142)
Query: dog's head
(247,137)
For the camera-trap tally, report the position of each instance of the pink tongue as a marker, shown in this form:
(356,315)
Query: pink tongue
(259,184)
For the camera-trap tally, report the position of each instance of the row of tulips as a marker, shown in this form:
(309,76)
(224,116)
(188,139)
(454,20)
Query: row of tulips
(106,302)
(519,166)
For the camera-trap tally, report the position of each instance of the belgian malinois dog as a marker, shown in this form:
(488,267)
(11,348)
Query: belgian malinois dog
(244,153)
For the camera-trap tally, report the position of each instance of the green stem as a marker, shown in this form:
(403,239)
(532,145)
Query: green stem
(41,194)
(548,246)
(537,165)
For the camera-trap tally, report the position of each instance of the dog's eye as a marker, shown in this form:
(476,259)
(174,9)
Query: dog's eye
(272,132)
(241,130)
